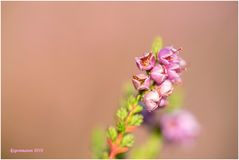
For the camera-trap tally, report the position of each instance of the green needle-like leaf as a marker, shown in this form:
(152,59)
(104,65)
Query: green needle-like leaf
(121,126)
(122,113)
(127,141)
(136,120)
(112,133)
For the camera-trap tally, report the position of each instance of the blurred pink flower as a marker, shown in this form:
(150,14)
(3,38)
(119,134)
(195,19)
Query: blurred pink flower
(146,62)
(179,126)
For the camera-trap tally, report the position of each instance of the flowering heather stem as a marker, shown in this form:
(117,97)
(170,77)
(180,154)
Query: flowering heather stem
(163,68)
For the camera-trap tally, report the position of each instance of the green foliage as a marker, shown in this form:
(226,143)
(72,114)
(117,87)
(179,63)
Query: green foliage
(157,45)
(175,100)
(150,149)
(122,113)
(98,143)
(112,133)
(127,141)
(131,102)
(121,126)
(136,120)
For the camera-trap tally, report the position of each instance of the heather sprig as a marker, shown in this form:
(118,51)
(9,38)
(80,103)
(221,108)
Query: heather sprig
(163,68)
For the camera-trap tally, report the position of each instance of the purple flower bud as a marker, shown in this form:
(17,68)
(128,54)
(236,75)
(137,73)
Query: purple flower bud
(158,74)
(179,126)
(151,100)
(141,82)
(145,62)
(168,55)
(165,89)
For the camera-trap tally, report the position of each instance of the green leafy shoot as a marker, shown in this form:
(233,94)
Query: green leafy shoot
(128,117)
(157,45)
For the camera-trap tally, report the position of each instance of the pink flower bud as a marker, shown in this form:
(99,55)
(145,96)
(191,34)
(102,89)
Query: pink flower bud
(151,100)
(165,89)
(145,62)
(158,74)
(163,102)
(141,82)
(174,71)
(168,55)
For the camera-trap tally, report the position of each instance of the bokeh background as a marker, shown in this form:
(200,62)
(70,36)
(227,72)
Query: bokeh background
(64,63)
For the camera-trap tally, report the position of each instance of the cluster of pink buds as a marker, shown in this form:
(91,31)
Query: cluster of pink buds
(162,71)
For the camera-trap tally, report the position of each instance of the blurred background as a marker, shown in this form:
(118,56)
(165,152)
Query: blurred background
(64,64)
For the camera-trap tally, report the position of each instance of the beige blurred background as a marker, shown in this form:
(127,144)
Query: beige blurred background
(64,63)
